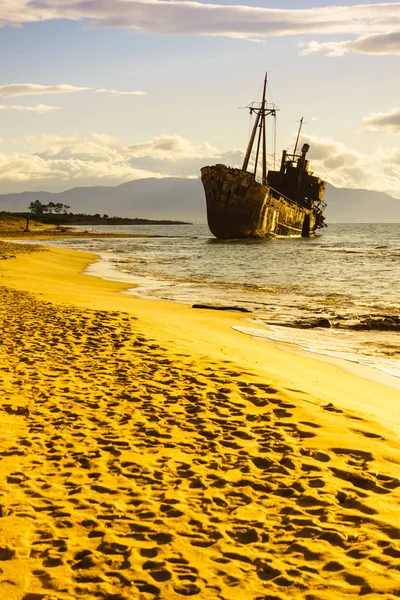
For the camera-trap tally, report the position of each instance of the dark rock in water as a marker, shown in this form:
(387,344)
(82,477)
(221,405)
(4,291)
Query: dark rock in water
(322,323)
(311,323)
(378,323)
(237,308)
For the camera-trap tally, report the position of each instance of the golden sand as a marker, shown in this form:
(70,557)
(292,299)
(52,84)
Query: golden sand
(150,451)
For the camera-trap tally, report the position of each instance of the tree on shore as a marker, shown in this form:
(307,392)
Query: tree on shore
(38,209)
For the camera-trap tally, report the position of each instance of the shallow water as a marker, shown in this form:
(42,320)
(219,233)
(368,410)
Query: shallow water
(347,274)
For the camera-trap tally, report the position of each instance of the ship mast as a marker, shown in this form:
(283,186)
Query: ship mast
(298,136)
(261,110)
(264,135)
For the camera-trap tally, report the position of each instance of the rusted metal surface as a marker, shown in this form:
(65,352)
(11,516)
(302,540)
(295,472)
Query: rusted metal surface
(239,207)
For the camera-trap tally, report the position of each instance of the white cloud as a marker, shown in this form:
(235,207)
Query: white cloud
(168,148)
(120,93)
(172,148)
(195,18)
(389,121)
(64,148)
(379,44)
(345,167)
(39,108)
(12,90)
(57,162)
(394,157)
(64,173)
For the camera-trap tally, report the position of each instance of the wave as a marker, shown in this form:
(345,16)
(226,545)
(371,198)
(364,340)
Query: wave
(346,345)
(379,251)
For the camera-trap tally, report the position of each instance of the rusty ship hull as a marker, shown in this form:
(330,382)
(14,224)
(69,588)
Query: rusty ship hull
(240,207)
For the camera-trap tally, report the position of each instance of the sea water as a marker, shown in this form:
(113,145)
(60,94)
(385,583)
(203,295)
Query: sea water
(348,275)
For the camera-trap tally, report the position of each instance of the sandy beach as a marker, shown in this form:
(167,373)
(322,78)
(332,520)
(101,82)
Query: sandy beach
(151,451)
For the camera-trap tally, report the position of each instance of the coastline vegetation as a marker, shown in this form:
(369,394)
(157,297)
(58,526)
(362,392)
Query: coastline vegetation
(58,214)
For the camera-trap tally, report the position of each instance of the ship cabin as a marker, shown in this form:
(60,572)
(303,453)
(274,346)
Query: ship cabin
(295,180)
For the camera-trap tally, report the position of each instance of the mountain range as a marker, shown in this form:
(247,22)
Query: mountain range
(178,198)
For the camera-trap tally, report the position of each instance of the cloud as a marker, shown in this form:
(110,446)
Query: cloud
(57,162)
(167,148)
(172,148)
(189,166)
(28,169)
(179,17)
(345,167)
(378,44)
(120,93)
(394,157)
(389,121)
(66,147)
(12,90)
(39,108)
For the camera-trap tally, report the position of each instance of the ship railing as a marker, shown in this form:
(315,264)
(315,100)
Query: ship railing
(259,179)
(283,196)
(318,204)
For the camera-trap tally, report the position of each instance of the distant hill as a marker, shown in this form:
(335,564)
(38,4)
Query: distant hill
(169,198)
(345,205)
(183,199)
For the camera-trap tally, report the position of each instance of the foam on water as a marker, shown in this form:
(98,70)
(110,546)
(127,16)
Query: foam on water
(346,345)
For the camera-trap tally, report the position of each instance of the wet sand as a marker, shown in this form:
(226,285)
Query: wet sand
(150,451)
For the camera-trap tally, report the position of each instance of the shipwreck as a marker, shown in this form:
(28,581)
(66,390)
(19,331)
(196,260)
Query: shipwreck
(277,203)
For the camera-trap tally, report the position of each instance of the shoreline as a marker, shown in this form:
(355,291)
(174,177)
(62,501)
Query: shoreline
(354,367)
(152,451)
(216,320)
(218,323)
(52,234)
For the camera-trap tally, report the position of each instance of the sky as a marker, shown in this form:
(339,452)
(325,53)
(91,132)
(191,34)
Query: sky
(99,93)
